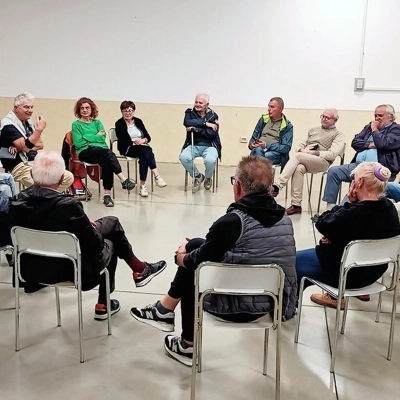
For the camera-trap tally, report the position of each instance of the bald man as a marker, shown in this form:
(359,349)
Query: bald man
(316,153)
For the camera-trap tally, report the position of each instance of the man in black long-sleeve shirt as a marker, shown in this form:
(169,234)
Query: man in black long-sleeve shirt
(255,230)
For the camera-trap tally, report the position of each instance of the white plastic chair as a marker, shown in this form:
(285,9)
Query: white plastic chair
(215,173)
(112,135)
(359,254)
(238,280)
(62,245)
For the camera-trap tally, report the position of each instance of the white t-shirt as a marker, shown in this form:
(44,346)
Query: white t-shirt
(134,132)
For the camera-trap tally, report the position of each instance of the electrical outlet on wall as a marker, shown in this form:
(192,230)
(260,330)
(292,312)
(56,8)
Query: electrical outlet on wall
(359,84)
(243,139)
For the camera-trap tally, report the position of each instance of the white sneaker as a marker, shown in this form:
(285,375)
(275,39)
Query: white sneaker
(160,181)
(143,191)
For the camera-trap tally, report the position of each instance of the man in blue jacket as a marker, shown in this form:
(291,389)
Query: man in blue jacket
(273,135)
(203,123)
(379,141)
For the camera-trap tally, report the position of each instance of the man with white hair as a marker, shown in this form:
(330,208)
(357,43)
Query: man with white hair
(203,122)
(379,141)
(316,153)
(23,140)
(102,242)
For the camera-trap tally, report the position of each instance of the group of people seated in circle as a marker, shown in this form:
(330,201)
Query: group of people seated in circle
(254,230)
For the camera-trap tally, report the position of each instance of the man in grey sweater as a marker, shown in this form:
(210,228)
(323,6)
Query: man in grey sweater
(316,153)
(254,230)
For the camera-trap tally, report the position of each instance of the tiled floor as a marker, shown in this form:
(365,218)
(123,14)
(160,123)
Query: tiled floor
(131,363)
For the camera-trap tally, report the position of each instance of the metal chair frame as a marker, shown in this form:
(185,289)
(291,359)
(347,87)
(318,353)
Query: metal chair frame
(62,245)
(358,254)
(238,280)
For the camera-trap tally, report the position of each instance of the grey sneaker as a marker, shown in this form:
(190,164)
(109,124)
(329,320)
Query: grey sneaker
(128,184)
(151,270)
(160,181)
(108,201)
(198,180)
(207,183)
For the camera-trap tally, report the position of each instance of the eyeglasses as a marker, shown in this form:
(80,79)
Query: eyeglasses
(233,180)
(325,117)
(128,111)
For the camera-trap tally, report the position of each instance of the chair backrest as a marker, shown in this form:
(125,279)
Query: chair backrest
(240,278)
(364,253)
(112,135)
(46,244)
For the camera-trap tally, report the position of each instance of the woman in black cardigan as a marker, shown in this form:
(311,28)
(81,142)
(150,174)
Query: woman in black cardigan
(133,140)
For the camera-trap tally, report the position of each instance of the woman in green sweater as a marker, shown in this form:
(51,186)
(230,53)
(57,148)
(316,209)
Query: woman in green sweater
(89,138)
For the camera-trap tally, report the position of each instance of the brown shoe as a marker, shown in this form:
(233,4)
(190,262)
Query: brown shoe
(364,297)
(326,300)
(293,210)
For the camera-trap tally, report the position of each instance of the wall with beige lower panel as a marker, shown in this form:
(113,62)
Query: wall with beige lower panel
(164,123)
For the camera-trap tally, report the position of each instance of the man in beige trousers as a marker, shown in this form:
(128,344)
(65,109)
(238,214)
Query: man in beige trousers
(316,153)
(20,141)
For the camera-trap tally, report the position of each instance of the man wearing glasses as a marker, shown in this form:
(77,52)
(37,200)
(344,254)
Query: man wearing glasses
(379,141)
(316,153)
(254,230)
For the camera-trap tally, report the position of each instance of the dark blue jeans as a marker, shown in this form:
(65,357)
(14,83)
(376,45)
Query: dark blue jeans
(307,264)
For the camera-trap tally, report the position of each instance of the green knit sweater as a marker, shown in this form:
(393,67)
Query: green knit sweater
(85,134)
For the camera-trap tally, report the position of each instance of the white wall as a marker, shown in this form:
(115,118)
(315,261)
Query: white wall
(242,52)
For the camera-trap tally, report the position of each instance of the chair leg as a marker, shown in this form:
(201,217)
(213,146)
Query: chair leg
(186,180)
(195,352)
(278,361)
(320,191)
(217,175)
(346,306)
(378,309)
(80,323)
(99,170)
(337,322)
(108,300)
(58,306)
(392,322)
(16,309)
(136,173)
(265,361)
(87,196)
(301,290)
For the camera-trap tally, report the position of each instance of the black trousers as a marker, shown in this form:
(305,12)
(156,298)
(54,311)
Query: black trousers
(146,159)
(182,287)
(106,159)
(116,245)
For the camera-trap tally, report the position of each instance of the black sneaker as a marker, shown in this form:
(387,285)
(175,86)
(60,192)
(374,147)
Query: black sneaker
(150,272)
(151,316)
(100,311)
(108,201)
(198,180)
(128,184)
(173,347)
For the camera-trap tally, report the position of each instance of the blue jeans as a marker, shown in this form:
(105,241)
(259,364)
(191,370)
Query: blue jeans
(337,175)
(272,156)
(307,264)
(393,191)
(209,154)
(7,184)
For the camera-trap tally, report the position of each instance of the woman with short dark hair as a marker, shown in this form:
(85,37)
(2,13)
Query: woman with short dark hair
(133,141)
(89,138)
